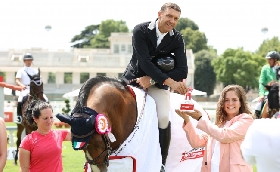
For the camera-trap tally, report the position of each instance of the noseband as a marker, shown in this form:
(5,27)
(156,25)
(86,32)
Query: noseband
(37,83)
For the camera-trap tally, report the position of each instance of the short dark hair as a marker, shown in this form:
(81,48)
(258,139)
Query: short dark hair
(170,5)
(34,110)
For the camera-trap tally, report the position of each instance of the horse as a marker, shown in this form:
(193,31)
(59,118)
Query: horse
(271,106)
(115,101)
(36,93)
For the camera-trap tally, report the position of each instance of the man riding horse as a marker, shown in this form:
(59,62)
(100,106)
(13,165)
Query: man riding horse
(267,77)
(23,80)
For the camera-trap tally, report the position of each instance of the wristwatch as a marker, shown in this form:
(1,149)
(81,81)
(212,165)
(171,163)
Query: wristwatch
(152,82)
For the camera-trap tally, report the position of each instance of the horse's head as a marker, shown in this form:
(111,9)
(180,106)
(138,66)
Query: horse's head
(273,97)
(103,104)
(36,86)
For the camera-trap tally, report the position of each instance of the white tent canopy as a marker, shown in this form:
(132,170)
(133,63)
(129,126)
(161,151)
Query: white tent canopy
(76,93)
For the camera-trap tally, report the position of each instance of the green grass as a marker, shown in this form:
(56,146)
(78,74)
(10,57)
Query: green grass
(73,161)
(10,124)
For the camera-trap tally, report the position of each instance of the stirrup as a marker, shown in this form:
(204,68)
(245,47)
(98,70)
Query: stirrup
(163,168)
(18,120)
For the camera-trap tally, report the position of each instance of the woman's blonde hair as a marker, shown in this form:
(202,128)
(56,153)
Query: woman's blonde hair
(221,115)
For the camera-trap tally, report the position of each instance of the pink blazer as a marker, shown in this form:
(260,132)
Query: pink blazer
(230,138)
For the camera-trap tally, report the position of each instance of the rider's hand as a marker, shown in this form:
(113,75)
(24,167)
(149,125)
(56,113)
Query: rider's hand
(260,98)
(144,82)
(180,87)
(23,87)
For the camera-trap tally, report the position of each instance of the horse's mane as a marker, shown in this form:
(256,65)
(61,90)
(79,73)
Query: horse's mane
(87,86)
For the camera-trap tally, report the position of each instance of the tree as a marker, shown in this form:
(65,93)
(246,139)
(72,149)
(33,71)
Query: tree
(183,23)
(236,66)
(96,36)
(67,109)
(84,38)
(194,39)
(204,75)
(269,45)
(109,26)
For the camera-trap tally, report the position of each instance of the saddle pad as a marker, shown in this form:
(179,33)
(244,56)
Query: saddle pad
(143,142)
(118,164)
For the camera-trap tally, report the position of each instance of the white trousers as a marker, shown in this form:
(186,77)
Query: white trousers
(162,100)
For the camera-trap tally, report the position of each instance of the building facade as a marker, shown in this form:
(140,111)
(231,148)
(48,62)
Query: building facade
(64,71)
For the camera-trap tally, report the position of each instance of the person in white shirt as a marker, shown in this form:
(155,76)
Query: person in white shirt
(23,80)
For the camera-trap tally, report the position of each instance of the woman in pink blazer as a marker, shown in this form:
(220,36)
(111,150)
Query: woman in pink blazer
(222,140)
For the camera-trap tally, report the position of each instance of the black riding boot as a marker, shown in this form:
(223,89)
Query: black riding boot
(258,114)
(19,115)
(164,141)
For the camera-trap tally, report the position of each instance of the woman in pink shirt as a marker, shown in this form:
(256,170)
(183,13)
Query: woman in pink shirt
(222,140)
(41,150)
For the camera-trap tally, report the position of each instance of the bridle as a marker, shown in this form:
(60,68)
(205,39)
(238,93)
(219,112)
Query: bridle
(35,95)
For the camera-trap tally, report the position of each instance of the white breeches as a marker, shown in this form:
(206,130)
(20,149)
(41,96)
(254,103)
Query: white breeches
(162,100)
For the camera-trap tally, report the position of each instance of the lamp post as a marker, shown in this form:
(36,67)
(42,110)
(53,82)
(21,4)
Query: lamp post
(48,28)
(264,30)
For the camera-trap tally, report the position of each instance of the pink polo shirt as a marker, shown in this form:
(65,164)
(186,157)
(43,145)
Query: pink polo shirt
(45,150)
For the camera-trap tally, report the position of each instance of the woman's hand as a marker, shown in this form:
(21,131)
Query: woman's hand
(183,114)
(195,115)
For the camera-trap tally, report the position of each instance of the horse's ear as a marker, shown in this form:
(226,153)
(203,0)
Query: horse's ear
(64,118)
(39,71)
(29,76)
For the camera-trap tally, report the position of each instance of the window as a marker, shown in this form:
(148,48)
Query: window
(16,57)
(129,49)
(101,74)
(123,48)
(84,58)
(51,78)
(3,74)
(68,78)
(116,48)
(84,77)
(120,75)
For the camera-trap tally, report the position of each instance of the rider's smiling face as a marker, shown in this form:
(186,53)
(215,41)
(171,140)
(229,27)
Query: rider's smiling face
(167,19)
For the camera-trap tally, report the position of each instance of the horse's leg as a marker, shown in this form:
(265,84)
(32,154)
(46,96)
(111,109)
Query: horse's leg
(20,128)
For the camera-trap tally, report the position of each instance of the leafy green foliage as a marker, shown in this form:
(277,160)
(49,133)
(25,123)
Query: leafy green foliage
(194,39)
(83,39)
(183,23)
(96,36)
(269,45)
(204,75)
(67,109)
(237,66)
